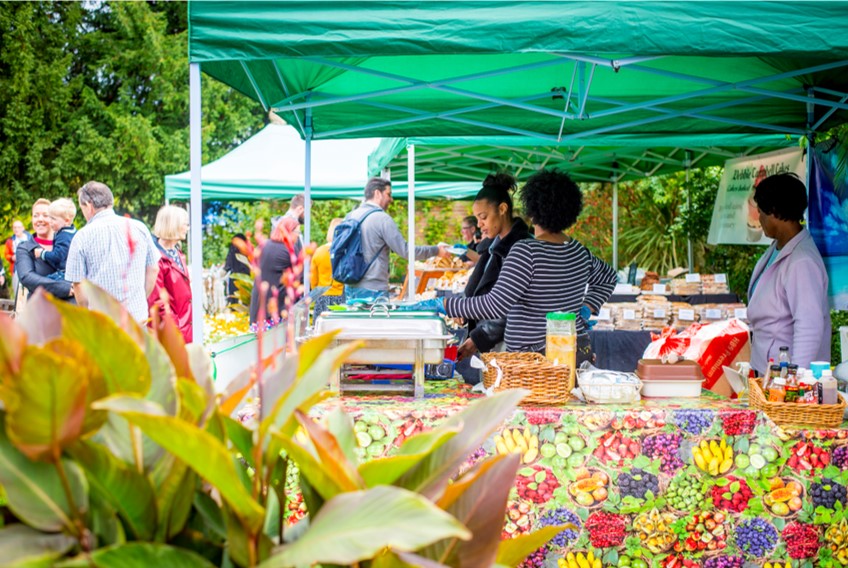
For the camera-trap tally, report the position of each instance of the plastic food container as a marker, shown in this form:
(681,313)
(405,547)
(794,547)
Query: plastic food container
(682,379)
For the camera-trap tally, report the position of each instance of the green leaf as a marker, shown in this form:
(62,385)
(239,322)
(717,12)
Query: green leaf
(392,559)
(193,400)
(34,489)
(20,545)
(356,522)
(239,543)
(126,490)
(330,454)
(340,425)
(513,551)
(140,555)
(197,448)
(722,482)
(241,437)
(479,501)
(311,468)
(211,513)
(385,471)
(478,421)
(124,365)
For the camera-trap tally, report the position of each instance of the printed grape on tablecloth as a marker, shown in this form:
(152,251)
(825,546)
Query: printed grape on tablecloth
(704,482)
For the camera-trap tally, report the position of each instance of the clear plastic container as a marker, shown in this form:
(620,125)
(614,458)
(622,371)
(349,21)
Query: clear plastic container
(561,345)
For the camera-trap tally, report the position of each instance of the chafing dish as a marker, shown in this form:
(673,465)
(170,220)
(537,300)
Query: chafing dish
(390,336)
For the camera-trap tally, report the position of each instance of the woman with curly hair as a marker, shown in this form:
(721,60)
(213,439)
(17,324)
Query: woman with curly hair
(550,273)
(787,296)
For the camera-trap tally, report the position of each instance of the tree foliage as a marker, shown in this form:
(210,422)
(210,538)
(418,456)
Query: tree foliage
(100,91)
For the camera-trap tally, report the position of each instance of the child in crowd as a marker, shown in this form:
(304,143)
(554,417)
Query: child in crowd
(62,213)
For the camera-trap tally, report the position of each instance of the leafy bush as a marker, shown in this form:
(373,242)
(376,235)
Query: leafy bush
(126,456)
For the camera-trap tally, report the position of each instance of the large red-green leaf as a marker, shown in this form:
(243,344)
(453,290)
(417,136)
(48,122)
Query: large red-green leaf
(357,526)
(311,468)
(41,320)
(385,471)
(46,404)
(478,421)
(513,551)
(34,489)
(340,425)
(479,501)
(139,555)
(241,437)
(392,559)
(13,341)
(331,455)
(22,546)
(310,350)
(123,363)
(309,383)
(127,491)
(204,453)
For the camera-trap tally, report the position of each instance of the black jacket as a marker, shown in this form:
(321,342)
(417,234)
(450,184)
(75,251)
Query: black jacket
(32,272)
(488,333)
(273,262)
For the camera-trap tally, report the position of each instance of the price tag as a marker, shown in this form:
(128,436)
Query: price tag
(659,313)
(629,314)
(659,288)
(721,278)
(740,313)
(693,277)
(714,314)
(686,315)
(603,314)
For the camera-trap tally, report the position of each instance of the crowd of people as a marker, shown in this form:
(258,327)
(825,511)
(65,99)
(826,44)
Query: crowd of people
(518,274)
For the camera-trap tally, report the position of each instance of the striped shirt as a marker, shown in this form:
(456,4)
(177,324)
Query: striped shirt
(101,252)
(539,277)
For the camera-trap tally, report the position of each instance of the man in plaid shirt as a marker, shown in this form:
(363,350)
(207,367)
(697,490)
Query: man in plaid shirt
(116,253)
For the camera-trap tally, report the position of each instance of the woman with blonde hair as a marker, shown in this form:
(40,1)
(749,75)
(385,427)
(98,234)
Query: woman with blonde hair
(172,293)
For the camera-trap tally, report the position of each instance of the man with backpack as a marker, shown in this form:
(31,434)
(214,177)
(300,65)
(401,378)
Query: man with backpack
(361,245)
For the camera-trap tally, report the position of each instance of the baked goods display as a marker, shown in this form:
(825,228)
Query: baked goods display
(440,263)
(656,312)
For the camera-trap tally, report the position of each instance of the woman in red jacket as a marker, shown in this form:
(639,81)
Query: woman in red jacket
(172,293)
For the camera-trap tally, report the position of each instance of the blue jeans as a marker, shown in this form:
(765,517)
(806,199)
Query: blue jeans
(352,293)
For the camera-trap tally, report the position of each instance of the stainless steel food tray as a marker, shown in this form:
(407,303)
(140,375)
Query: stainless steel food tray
(389,337)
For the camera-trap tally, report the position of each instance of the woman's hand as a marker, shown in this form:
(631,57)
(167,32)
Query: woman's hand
(467,349)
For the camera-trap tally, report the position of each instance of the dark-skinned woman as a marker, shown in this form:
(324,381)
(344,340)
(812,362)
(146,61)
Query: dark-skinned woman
(787,296)
(500,230)
(551,273)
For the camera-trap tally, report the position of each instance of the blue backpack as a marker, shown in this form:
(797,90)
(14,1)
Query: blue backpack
(346,257)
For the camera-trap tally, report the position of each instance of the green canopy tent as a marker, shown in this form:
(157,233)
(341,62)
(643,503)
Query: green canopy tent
(269,165)
(557,71)
(611,158)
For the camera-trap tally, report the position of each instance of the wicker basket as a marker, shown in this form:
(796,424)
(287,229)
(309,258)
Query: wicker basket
(794,413)
(549,385)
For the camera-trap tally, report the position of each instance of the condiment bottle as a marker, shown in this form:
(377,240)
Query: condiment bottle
(783,361)
(828,388)
(777,390)
(792,391)
(810,383)
(774,373)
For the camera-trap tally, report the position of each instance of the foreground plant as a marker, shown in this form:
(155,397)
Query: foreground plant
(115,451)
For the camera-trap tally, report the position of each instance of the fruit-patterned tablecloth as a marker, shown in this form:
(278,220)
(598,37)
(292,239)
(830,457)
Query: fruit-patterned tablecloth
(685,482)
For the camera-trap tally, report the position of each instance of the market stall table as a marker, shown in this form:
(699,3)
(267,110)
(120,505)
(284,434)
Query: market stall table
(701,478)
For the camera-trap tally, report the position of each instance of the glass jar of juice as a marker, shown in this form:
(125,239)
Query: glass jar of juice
(561,342)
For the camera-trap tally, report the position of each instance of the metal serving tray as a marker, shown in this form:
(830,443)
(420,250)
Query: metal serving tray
(389,337)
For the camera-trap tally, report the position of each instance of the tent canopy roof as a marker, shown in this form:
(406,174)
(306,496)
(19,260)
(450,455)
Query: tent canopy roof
(602,158)
(561,72)
(270,165)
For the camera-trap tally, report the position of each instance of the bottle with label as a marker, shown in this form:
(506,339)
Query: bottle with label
(793,389)
(810,383)
(783,361)
(767,374)
(773,374)
(561,348)
(777,390)
(828,388)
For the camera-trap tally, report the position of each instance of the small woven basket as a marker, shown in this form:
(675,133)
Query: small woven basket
(795,413)
(549,384)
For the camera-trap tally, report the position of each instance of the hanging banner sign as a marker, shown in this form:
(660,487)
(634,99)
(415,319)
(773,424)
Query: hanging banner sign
(735,217)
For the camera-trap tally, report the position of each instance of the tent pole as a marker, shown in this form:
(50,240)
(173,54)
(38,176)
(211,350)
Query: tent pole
(615,217)
(689,250)
(811,140)
(196,204)
(307,199)
(410,205)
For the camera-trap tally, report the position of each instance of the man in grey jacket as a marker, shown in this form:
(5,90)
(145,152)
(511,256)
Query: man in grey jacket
(380,234)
